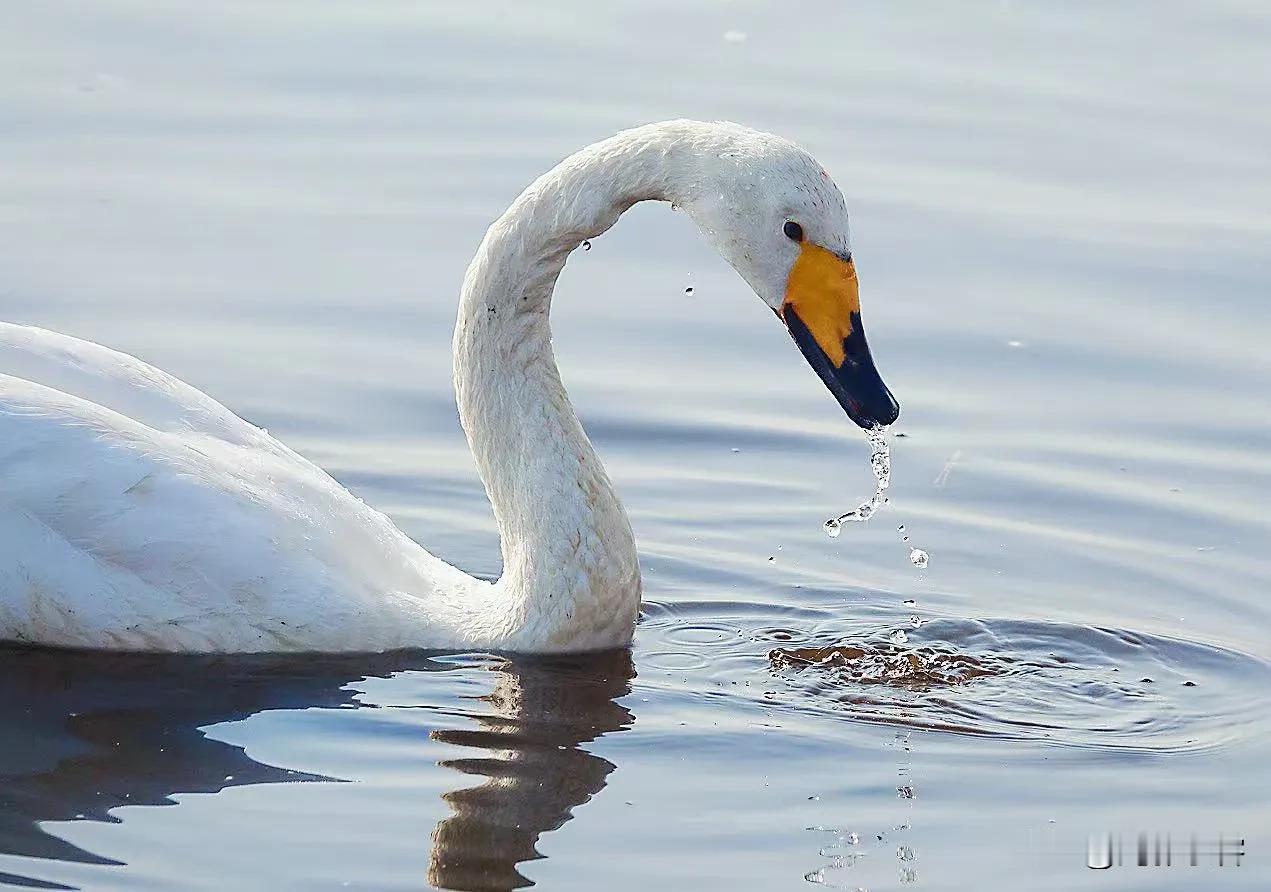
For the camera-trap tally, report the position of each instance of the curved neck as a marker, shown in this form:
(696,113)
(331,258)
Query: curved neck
(571,579)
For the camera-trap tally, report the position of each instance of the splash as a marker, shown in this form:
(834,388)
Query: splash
(880,464)
(875,663)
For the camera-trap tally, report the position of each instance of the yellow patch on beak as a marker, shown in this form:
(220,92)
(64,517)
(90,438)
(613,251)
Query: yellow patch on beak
(822,291)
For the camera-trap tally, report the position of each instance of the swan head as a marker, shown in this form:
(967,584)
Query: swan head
(776,216)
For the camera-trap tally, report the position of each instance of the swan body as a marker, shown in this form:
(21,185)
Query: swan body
(137,513)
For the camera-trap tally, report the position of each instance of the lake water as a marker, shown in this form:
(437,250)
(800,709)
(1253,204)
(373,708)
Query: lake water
(1061,216)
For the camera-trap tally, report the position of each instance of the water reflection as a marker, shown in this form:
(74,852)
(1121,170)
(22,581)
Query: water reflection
(535,770)
(82,734)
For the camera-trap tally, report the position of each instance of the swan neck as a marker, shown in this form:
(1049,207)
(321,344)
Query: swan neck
(570,573)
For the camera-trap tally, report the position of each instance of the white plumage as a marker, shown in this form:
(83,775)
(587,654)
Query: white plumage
(138,513)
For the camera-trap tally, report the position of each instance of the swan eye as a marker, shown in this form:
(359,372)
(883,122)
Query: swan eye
(793,231)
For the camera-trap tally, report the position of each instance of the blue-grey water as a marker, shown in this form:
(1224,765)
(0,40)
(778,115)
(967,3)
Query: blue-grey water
(1061,216)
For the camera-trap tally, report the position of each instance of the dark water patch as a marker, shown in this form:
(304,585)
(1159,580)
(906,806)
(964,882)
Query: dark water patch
(85,734)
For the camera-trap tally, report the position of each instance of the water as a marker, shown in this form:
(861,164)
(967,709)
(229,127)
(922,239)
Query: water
(880,465)
(1060,222)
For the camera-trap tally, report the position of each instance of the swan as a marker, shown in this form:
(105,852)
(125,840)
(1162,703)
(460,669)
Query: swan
(137,513)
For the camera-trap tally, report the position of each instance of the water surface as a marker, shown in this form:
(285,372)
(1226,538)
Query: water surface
(1060,220)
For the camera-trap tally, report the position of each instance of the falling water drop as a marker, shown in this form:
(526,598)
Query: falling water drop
(688,290)
(918,558)
(833,527)
(898,637)
(586,245)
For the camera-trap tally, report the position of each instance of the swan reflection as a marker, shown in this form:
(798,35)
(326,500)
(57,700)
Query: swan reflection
(82,734)
(535,770)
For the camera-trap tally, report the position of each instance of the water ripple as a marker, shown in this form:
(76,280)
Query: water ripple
(1060,683)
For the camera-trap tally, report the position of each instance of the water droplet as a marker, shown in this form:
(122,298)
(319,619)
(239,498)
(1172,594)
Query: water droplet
(909,601)
(918,558)
(771,558)
(586,245)
(898,637)
(901,528)
(688,290)
(833,527)
(881,466)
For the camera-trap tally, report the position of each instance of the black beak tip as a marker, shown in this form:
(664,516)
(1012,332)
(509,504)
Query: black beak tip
(880,412)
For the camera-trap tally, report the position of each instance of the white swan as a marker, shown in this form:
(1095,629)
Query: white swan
(137,513)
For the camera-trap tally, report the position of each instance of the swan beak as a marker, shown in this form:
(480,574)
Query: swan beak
(822,310)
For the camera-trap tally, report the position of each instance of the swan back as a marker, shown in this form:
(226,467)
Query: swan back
(124,384)
(137,513)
